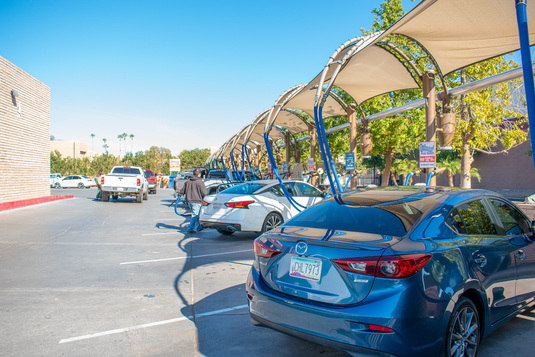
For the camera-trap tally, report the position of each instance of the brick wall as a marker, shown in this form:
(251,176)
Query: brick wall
(24,137)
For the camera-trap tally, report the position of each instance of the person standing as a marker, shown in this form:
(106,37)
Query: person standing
(97,181)
(195,190)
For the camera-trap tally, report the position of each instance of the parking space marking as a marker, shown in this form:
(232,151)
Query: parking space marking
(179,258)
(151,324)
(157,234)
(526,317)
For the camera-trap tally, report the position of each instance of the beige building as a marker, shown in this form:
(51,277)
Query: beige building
(74,149)
(24,135)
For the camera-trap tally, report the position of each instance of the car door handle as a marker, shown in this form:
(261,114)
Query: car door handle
(480,260)
(520,255)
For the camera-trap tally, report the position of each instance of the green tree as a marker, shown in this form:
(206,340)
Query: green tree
(192,158)
(483,123)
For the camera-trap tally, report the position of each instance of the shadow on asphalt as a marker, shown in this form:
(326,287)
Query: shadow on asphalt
(231,333)
(186,244)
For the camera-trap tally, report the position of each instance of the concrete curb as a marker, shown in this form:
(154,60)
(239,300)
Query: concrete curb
(32,201)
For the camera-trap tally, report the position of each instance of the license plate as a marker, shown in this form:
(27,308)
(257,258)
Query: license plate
(305,268)
(217,205)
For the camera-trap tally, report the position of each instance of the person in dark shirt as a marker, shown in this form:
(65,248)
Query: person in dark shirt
(195,190)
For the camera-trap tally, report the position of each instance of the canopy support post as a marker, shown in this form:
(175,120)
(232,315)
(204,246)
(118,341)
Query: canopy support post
(428,81)
(522,19)
(312,134)
(352,119)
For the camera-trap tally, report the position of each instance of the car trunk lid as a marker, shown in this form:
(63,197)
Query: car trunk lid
(306,265)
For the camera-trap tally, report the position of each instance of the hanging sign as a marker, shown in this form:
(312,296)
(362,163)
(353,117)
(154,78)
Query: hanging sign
(427,155)
(310,164)
(174,165)
(269,167)
(350,161)
(285,166)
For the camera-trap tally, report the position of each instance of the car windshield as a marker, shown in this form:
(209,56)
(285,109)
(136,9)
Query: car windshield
(244,188)
(376,215)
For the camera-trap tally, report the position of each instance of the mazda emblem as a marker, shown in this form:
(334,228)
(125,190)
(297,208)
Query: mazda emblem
(301,248)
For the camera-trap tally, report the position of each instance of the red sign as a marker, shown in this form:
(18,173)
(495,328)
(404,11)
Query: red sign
(427,155)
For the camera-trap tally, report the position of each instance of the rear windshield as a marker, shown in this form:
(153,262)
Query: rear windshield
(148,174)
(126,170)
(393,219)
(244,188)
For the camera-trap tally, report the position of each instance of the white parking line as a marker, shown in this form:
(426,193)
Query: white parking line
(178,258)
(151,324)
(526,317)
(157,234)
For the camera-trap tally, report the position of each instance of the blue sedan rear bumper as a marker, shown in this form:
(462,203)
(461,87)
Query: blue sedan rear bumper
(418,331)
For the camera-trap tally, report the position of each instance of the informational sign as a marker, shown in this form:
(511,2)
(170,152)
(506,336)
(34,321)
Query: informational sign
(285,166)
(310,164)
(269,168)
(350,161)
(174,165)
(427,155)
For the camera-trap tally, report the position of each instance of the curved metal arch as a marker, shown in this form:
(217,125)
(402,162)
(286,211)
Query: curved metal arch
(279,103)
(393,48)
(429,55)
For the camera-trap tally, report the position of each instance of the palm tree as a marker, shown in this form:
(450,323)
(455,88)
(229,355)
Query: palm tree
(120,137)
(132,147)
(125,135)
(403,167)
(452,166)
(92,137)
(105,146)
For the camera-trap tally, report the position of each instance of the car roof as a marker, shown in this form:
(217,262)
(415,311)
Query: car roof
(390,194)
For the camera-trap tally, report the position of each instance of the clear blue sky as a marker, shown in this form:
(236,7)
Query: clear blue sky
(176,74)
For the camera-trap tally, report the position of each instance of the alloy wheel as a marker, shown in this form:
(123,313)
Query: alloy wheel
(272,221)
(464,334)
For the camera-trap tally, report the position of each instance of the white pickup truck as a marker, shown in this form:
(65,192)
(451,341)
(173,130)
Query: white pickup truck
(124,181)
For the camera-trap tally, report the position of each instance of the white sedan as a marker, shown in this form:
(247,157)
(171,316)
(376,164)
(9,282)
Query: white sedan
(255,206)
(79,181)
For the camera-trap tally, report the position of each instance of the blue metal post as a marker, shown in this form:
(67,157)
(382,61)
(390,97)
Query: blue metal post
(529,86)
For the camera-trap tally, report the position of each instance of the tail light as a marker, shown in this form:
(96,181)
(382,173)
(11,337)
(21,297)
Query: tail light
(102,180)
(393,267)
(378,328)
(204,203)
(261,249)
(241,204)
(139,182)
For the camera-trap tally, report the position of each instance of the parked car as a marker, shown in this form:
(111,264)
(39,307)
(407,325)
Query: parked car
(79,181)
(152,180)
(54,180)
(255,206)
(124,181)
(407,271)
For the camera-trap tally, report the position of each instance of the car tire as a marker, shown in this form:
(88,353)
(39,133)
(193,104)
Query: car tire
(105,196)
(81,185)
(224,232)
(464,333)
(139,197)
(115,197)
(272,220)
(57,185)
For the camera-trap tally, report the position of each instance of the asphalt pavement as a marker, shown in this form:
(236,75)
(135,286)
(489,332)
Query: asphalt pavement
(80,277)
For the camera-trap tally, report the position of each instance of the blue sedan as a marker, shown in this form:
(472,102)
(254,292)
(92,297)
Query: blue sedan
(401,271)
